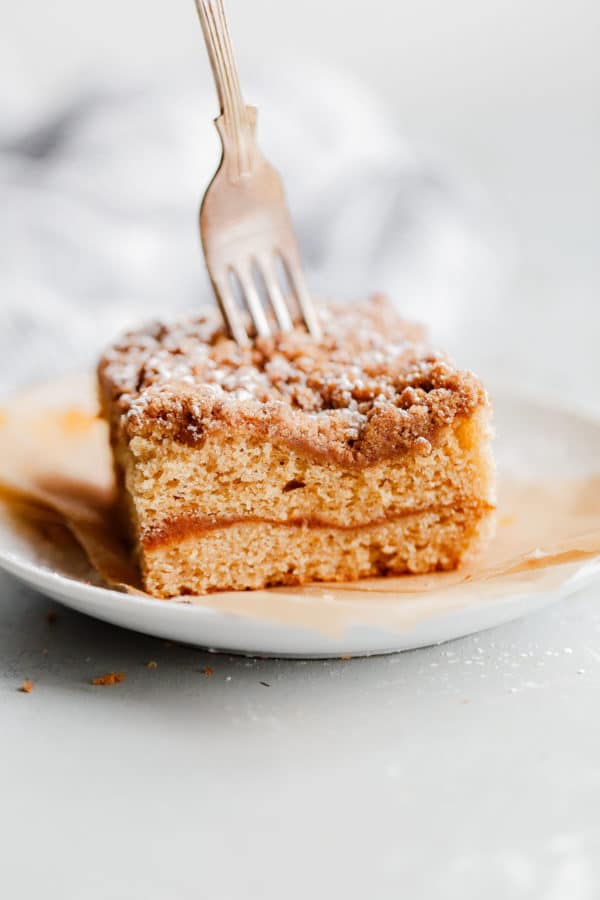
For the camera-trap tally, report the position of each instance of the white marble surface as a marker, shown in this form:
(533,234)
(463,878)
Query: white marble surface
(466,771)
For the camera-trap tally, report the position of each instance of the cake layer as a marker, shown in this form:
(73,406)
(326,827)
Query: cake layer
(257,554)
(234,477)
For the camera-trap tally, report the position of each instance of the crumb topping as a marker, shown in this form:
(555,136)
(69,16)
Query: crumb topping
(108,680)
(369,389)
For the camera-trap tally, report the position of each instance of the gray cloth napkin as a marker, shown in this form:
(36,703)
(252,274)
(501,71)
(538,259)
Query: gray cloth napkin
(98,221)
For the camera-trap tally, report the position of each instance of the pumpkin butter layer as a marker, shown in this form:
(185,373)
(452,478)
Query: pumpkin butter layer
(182,528)
(369,391)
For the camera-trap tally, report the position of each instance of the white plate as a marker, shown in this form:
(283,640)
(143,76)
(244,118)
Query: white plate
(363,619)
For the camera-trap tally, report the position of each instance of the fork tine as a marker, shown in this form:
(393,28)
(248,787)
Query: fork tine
(230,310)
(254,304)
(267,270)
(296,277)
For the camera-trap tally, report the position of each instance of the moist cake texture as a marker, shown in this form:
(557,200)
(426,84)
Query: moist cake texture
(291,460)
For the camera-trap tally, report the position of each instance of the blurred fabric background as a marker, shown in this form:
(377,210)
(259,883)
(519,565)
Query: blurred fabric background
(446,153)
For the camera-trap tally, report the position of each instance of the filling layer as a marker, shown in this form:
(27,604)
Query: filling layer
(184,527)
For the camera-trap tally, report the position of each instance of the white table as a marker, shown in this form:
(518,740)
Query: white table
(465,770)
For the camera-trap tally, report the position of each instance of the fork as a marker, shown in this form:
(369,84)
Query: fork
(249,244)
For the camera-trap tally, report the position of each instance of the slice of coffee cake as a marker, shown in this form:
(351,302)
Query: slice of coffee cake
(290,461)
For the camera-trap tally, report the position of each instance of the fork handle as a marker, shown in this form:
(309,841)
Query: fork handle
(236,124)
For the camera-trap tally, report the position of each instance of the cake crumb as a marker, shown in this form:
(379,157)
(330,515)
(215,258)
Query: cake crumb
(26,687)
(109,679)
(208,671)
(152,664)
(345,657)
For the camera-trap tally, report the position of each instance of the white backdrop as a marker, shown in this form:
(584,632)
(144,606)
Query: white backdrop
(505,92)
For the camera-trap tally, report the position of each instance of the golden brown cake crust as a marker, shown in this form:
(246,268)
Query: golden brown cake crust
(369,390)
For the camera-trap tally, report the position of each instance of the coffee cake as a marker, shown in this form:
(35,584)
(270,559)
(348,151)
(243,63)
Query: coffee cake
(289,460)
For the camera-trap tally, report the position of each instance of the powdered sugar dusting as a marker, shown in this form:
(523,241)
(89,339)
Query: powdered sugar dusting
(372,374)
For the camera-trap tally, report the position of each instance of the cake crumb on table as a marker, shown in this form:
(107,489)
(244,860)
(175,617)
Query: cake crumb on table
(26,687)
(208,671)
(152,664)
(109,678)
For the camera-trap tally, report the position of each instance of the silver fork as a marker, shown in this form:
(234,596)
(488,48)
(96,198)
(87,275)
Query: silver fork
(245,225)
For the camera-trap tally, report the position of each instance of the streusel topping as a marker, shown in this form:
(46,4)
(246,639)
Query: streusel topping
(370,388)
